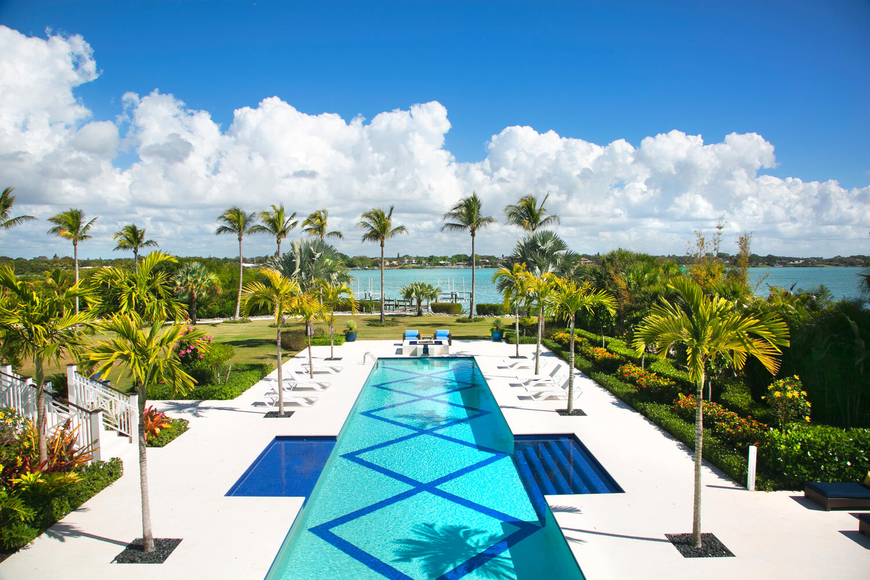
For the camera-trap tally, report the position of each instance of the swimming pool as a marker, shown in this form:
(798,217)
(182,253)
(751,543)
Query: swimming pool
(421,484)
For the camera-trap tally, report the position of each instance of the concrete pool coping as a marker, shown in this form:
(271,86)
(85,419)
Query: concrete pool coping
(613,536)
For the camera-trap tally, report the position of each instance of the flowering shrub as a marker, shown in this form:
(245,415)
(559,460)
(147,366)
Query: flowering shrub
(652,386)
(189,351)
(563,339)
(726,425)
(602,357)
(788,401)
(17,445)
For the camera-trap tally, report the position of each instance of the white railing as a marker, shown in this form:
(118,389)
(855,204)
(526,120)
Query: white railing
(120,410)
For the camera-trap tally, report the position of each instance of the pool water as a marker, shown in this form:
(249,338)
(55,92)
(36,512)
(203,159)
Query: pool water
(421,484)
(287,467)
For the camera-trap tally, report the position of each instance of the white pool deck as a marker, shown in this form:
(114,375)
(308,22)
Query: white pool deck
(613,536)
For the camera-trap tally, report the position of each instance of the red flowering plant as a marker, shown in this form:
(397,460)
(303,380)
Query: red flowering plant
(602,357)
(726,425)
(652,386)
(189,351)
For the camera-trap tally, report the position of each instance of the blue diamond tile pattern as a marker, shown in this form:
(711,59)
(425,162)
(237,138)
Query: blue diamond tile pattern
(421,485)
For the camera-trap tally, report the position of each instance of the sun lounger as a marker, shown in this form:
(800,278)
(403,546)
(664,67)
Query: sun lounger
(517,365)
(838,495)
(551,375)
(553,393)
(300,383)
(323,368)
(444,335)
(270,398)
(864,524)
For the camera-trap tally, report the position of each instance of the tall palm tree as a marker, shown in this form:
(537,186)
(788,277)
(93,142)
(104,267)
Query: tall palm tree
(513,283)
(709,326)
(378,227)
(568,299)
(193,281)
(148,292)
(333,295)
(420,291)
(315,226)
(276,223)
(541,288)
(528,215)
(237,222)
(7,200)
(307,307)
(71,225)
(309,260)
(541,252)
(40,326)
(465,215)
(132,238)
(278,297)
(147,356)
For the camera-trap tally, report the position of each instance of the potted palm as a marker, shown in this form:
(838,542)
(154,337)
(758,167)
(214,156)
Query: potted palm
(350,331)
(497,330)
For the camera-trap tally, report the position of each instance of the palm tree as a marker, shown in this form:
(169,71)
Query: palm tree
(513,284)
(528,215)
(309,260)
(278,297)
(420,291)
(333,295)
(147,356)
(132,238)
(709,326)
(71,225)
(541,252)
(465,215)
(315,225)
(239,223)
(7,200)
(378,227)
(540,288)
(567,300)
(307,307)
(193,281)
(276,223)
(148,292)
(40,326)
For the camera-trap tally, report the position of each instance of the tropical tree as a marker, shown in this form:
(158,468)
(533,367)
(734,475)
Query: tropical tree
(132,238)
(570,297)
(306,307)
(708,327)
(7,200)
(420,291)
(513,283)
(541,252)
(541,288)
(278,296)
(193,281)
(275,223)
(378,227)
(309,260)
(333,295)
(465,215)
(147,356)
(148,292)
(315,226)
(237,222)
(528,215)
(71,225)
(42,327)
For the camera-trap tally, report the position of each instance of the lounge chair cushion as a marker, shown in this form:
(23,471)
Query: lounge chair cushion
(845,490)
(442,334)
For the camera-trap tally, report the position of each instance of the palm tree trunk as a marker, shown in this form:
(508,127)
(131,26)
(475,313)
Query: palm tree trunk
(136,259)
(332,335)
(193,307)
(571,370)
(239,299)
(278,253)
(538,344)
(473,265)
(280,370)
(517,328)
(699,452)
(147,534)
(76,260)
(39,376)
(310,363)
(383,319)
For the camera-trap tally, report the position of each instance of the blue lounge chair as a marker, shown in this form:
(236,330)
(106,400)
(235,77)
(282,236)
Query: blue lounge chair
(411,335)
(444,335)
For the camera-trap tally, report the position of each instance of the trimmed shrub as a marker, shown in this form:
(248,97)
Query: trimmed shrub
(490,309)
(323,340)
(511,337)
(727,425)
(650,386)
(603,358)
(451,308)
(664,367)
(168,434)
(469,320)
(243,377)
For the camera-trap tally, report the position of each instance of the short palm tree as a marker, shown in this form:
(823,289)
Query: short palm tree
(465,215)
(275,223)
(237,222)
(148,292)
(315,226)
(513,283)
(42,327)
(7,200)
(71,225)
(568,298)
(528,215)
(709,326)
(306,307)
(420,291)
(147,356)
(278,296)
(194,281)
(333,295)
(541,288)
(378,227)
(132,238)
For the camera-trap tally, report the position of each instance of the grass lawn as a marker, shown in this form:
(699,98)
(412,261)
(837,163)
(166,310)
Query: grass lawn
(254,342)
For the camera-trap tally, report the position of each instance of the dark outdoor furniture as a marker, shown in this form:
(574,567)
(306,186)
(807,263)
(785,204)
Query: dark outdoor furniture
(838,495)
(864,524)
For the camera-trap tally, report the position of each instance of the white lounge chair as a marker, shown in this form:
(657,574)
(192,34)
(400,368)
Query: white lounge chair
(553,392)
(323,368)
(270,398)
(306,383)
(529,379)
(518,363)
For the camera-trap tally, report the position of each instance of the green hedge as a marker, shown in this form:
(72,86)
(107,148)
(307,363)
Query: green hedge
(815,453)
(452,308)
(321,340)
(469,320)
(243,377)
(490,309)
(169,434)
(511,337)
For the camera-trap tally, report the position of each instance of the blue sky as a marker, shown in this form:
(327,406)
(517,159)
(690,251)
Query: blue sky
(795,73)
